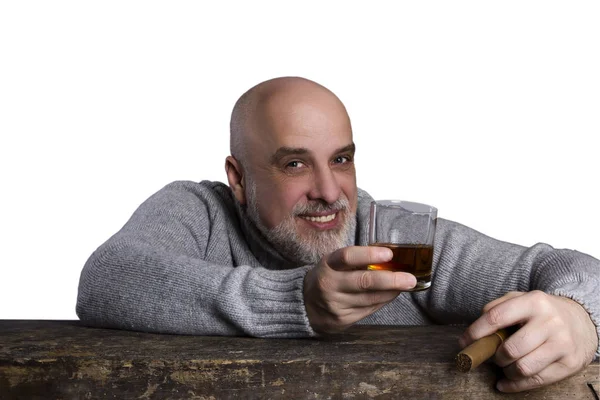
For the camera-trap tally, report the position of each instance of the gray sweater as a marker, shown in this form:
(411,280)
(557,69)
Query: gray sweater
(189,262)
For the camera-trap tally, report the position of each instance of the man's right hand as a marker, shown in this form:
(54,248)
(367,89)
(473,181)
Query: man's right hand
(339,291)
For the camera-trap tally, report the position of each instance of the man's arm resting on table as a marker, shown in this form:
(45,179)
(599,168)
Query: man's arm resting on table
(552,296)
(153,276)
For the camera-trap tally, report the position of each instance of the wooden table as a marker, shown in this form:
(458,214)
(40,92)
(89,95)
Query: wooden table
(65,360)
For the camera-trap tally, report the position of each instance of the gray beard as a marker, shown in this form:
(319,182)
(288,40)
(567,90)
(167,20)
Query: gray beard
(305,250)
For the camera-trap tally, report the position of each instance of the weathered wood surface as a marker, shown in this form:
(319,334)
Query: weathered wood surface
(64,360)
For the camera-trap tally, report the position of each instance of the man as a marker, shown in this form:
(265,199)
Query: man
(281,253)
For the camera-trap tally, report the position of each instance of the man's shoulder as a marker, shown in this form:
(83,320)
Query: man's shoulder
(212,194)
(184,186)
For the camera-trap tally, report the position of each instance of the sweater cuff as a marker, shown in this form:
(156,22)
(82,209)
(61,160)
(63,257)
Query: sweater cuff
(574,293)
(277,307)
(575,276)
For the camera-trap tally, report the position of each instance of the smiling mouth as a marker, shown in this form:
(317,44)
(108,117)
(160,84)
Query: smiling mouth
(322,218)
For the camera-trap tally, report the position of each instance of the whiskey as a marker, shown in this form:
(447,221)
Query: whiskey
(415,259)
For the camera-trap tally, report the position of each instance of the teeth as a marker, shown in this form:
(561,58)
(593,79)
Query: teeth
(325,218)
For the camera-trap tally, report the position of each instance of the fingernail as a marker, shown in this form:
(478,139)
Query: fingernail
(386,254)
(414,281)
(500,386)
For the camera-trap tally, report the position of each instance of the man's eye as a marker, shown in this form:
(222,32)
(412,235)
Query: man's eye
(294,164)
(341,159)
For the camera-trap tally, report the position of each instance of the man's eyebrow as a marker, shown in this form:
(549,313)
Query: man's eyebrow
(351,148)
(286,151)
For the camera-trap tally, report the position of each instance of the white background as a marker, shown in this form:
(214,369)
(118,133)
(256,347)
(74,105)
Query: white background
(487,110)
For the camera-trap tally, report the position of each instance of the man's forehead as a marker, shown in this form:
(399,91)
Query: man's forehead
(310,120)
(305,127)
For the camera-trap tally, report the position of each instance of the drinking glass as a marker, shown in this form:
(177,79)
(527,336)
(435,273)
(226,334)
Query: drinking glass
(408,229)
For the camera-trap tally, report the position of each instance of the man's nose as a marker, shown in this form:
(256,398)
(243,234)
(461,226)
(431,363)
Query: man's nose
(325,186)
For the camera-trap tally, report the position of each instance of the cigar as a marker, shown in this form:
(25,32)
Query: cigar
(479,351)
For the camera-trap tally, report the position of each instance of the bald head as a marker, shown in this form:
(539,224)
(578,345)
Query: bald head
(260,111)
(292,167)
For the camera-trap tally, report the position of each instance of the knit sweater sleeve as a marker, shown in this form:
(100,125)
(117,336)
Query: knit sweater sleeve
(472,269)
(172,269)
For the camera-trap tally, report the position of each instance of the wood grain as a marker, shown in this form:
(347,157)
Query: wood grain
(63,359)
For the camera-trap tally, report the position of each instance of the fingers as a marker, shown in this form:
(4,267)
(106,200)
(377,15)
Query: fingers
(500,300)
(369,281)
(533,363)
(513,310)
(554,341)
(343,318)
(521,343)
(553,373)
(336,295)
(358,257)
(369,298)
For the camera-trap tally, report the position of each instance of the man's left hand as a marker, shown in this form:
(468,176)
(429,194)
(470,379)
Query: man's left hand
(556,338)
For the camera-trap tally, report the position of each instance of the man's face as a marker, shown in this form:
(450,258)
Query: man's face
(301,184)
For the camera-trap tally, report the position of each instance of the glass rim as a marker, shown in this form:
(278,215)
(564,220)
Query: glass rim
(399,203)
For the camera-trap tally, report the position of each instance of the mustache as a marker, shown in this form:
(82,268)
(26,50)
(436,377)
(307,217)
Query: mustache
(319,206)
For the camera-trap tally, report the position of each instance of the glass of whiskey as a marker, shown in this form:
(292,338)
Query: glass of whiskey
(408,229)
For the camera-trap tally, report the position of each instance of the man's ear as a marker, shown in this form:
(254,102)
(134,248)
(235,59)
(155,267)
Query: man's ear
(235,176)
